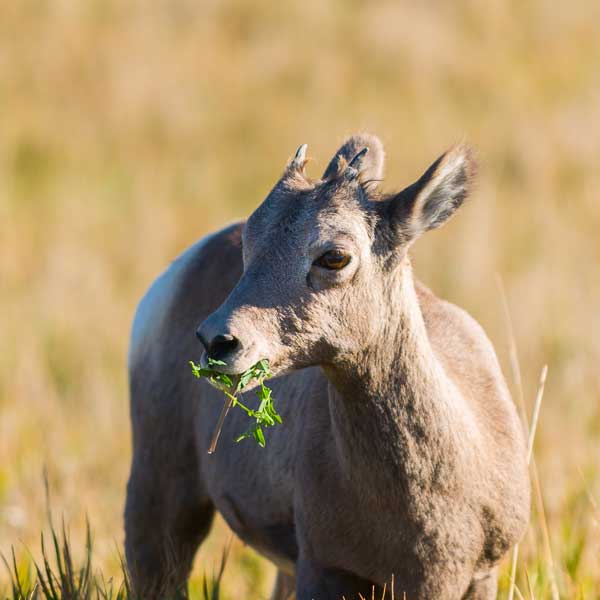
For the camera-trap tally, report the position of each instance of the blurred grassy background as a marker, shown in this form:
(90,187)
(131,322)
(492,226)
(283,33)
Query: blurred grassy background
(130,129)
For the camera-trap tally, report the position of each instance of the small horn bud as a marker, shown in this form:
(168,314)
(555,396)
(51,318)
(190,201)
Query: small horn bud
(355,165)
(300,157)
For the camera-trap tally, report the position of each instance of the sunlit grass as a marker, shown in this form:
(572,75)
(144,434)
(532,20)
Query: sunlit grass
(59,576)
(129,131)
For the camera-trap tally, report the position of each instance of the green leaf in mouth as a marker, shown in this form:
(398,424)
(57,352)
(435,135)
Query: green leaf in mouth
(232,385)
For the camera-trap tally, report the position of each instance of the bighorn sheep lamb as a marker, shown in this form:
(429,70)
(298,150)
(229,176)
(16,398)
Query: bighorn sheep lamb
(401,452)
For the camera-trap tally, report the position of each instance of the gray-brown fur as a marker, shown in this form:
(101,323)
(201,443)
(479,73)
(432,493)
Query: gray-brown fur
(400,453)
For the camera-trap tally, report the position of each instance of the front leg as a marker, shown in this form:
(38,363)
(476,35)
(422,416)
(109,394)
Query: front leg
(314,582)
(483,587)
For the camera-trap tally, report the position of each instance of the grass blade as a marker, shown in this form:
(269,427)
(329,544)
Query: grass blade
(530,443)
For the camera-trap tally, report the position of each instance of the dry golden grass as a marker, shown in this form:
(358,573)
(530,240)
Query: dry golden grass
(129,129)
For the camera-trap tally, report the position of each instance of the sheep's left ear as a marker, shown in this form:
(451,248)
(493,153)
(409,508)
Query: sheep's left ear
(440,191)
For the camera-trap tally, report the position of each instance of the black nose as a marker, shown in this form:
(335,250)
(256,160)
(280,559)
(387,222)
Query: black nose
(220,345)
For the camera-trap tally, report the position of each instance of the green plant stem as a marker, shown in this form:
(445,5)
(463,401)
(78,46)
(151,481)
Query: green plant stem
(265,416)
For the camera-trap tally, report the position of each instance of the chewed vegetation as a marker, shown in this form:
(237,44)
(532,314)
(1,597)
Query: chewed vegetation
(129,132)
(231,386)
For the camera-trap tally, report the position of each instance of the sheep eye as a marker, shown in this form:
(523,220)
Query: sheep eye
(334,260)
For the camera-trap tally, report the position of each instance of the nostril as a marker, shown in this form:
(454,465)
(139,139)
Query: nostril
(221,345)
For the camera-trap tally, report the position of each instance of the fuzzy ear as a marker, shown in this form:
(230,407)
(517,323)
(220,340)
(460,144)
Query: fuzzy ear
(371,163)
(432,200)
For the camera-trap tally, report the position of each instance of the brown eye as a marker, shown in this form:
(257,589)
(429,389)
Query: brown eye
(334,260)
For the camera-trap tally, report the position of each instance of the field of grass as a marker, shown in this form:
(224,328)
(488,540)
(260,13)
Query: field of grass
(130,129)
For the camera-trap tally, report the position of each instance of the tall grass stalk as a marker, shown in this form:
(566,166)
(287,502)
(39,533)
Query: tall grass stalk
(518,382)
(530,442)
